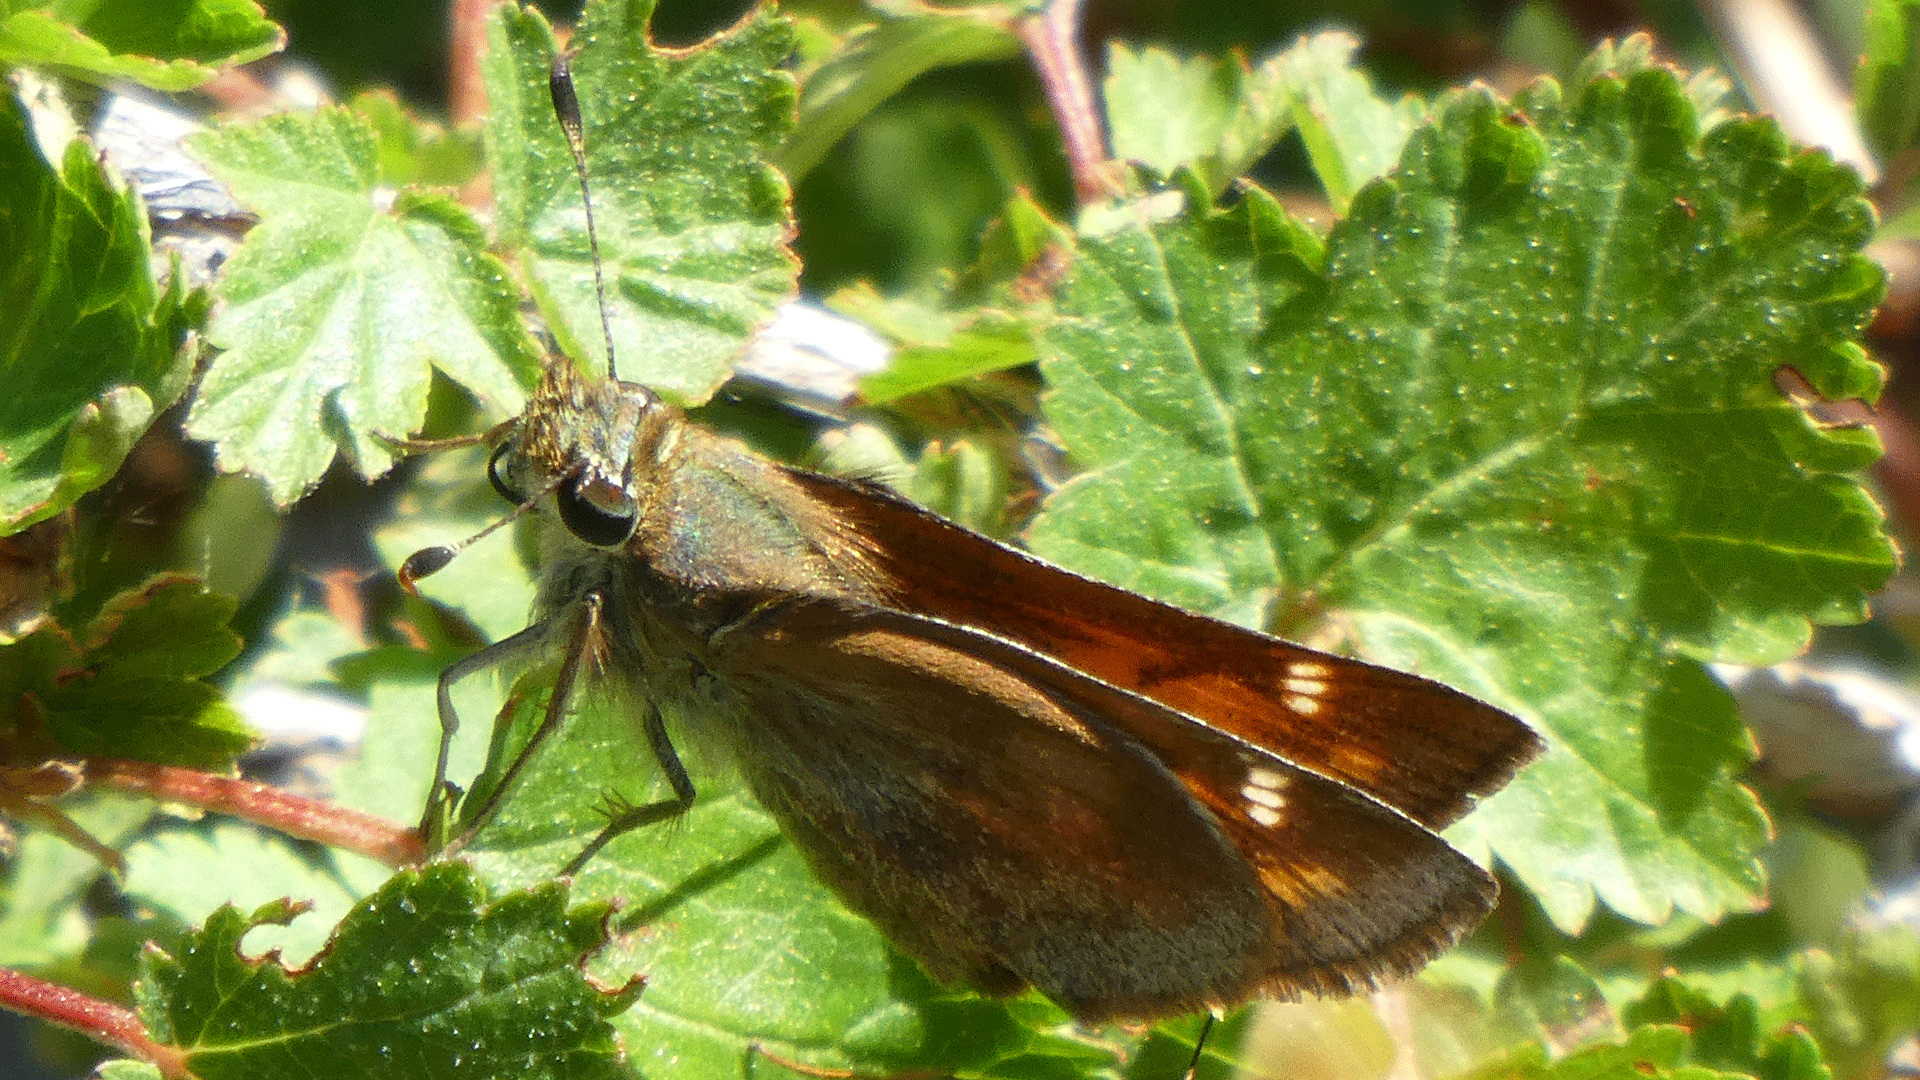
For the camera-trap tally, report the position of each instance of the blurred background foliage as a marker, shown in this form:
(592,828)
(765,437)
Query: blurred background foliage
(907,193)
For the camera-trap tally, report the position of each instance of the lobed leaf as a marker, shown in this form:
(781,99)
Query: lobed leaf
(1655,1052)
(693,223)
(130,686)
(1516,426)
(337,309)
(167,46)
(414,151)
(185,872)
(503,995)
(89,351)
(1215,116)
(984,324)
(1351,133)
(874,62)
(1728,1035)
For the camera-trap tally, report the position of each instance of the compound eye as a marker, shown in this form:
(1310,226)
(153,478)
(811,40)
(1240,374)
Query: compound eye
(499,482)
(597,511)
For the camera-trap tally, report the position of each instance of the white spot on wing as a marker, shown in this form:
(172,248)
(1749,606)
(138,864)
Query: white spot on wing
(1302,704)
(1262,791)
(1260,796)
(1266,778)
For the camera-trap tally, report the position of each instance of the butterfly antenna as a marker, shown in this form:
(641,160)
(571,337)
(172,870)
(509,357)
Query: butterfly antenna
(566,106)
(432,560)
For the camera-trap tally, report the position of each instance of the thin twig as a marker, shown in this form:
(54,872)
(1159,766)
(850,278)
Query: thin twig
(101,1021)
(294,815)
(1052,38)
(755,1048)
(466,40)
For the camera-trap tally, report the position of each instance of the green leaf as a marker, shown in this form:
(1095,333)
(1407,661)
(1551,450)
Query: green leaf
(503,997)
(964,482)
(129,686)
(168,46)
(1728,1035)
(1018,253)
(693,223)
(988,345)
(336,309)
(1166,112)
(1553,999)
(1858,998)
(1216,117)
(47,877)
(1352,134)
(1650,1053)
(1887,86)
(413,151)
(1518,429)
(1856,994)
(873,63)
(934,346)
(981,323)
(89,349)
(1706,89)
(866,450)
(170,629)
(188,872)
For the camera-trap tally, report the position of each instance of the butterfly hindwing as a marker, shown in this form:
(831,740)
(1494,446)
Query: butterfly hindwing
(1008,821)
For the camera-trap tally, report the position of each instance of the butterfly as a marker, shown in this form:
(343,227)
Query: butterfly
(1022,776)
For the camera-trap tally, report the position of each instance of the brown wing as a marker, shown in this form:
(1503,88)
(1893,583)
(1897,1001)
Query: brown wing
(1415,744)
(1009,823)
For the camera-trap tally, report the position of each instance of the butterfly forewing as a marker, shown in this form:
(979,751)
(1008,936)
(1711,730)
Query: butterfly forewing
(1417,745)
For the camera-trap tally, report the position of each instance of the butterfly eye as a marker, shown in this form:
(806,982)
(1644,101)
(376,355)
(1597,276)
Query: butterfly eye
(493,475)
(597,511)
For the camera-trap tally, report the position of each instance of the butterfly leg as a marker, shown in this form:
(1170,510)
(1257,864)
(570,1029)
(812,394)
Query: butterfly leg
(633,817)
(586,627)
(520,645)
(1199,1044)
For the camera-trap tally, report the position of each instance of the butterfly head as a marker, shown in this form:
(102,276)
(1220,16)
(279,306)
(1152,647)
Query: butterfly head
(592,444)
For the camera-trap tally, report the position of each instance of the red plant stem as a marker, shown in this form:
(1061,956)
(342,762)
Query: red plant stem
(1052,38)
(308,819)
(804,1069)
(102,1021)
(466,40)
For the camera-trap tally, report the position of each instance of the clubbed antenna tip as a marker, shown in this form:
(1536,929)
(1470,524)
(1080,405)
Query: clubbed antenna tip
(566,106)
